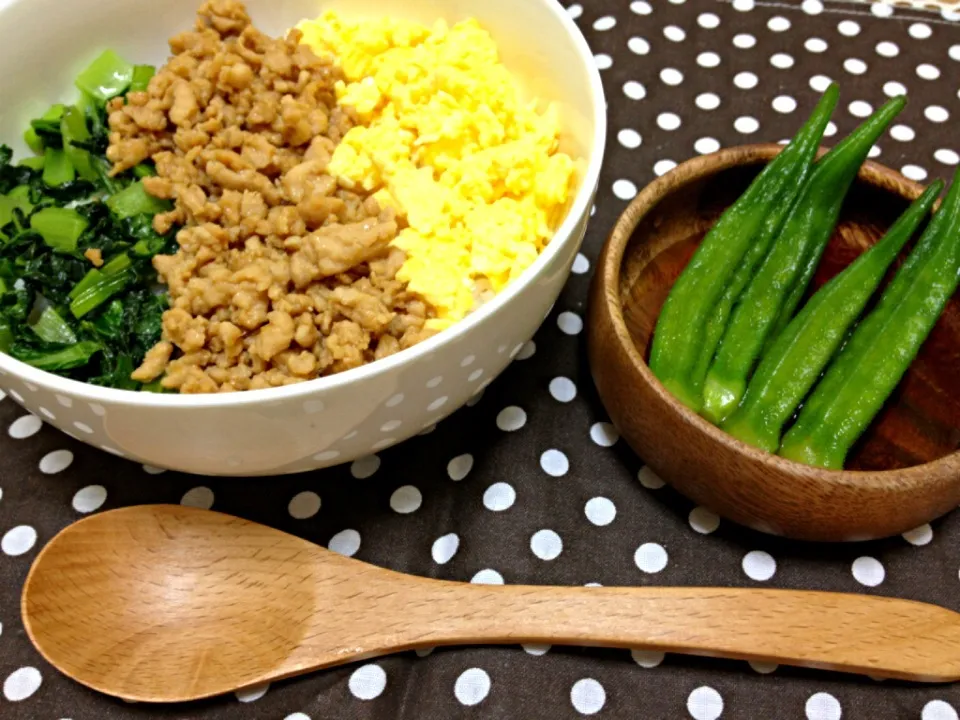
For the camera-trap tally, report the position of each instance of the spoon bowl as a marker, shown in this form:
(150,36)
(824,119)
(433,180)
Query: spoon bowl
(165,603)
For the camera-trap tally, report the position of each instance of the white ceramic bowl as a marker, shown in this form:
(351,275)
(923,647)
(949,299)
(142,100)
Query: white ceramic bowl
(329,420)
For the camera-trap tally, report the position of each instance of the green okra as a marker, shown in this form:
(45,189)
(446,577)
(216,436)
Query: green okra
(803,235)
(717,323)
(884,344)
(681,326)
(798,356)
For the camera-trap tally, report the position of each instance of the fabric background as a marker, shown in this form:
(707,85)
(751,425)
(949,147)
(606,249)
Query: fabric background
(554,497)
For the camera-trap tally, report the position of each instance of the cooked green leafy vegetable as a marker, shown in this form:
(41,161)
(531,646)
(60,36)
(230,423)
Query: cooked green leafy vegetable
(141,77)
(60,228)
(61,213)
(106,77)
(134,200)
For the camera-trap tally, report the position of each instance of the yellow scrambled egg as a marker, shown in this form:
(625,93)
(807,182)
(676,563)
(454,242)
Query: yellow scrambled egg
(447,139)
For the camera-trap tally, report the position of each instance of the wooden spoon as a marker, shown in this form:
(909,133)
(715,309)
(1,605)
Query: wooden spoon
(168,603)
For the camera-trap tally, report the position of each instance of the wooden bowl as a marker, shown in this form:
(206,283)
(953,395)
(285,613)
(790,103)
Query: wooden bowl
(904,472)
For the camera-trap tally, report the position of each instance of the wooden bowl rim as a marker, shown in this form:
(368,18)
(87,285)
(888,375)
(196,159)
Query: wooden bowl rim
(698,168)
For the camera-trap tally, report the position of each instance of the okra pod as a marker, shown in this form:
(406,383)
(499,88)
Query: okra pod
(882,347)
(800,353)
(679,334)
(804,234)
(717,323)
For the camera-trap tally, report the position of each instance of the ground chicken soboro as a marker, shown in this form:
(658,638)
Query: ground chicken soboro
(281,276)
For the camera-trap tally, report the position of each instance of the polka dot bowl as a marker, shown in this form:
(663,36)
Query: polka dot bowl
(359,412)
(904,472)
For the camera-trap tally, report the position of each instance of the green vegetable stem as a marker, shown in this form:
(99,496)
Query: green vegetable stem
(98,293)
(682,326)
(52,328)
(44,131)
(141,77)
(60,228)
(34,163)
(798,356)
(73,128)
(882,347)
(803,236)
(106,77)
(33,141)
(57,168)
(16,199)
(6,335)
(65,359)
(135,200)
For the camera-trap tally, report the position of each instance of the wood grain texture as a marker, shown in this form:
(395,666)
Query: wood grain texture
(168,603)
(904,472)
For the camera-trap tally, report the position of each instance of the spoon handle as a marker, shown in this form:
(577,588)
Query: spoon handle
(873,635)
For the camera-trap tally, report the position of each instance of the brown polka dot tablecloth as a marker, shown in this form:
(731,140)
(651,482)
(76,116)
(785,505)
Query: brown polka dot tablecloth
(529,484)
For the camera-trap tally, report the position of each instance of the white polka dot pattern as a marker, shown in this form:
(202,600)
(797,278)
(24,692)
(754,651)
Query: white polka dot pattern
(703,521)
(345,542)
(604,434)
(529,472)
(745,80)
(705,703)
(634,90)
(868,571)
(546,544)
(823,706)
(459,467)
(570,323)
(21,684)
(89,498)
(849,28)
(638,45)
(472,687)
(624,189)
(629,139)
(252,694)
(406,500)
(499,497)
(554,463)
(706,145)
(444,548)
(671,76)
(18,540)
(600,511)
(647,658)
(365,467)
(198,497)
(938,710)
(707,101)
(487,577)
(922,535)
(887,49)
(24,427)
(511,419)
(367,682)
(649,479)
(304,505)
(759,565)
(650,557)
(587,696)
(55,462)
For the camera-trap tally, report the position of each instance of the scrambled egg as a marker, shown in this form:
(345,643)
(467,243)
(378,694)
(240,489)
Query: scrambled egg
(446,138)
